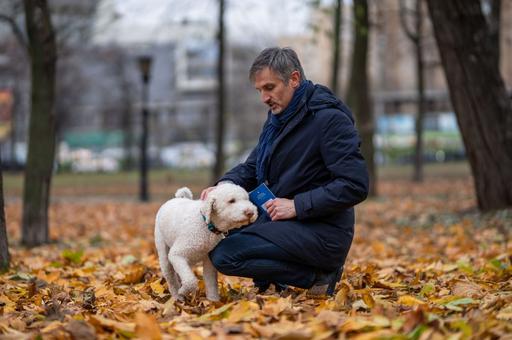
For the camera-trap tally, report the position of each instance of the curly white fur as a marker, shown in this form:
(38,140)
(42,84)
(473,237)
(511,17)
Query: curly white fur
(182,237)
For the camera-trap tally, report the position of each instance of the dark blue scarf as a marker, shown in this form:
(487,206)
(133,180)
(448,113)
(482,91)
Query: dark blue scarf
(273,127)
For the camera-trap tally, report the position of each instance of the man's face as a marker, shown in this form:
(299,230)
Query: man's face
(273,90)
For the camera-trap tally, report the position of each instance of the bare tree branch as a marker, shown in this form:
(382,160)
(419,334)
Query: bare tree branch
(414,36)
(16,30)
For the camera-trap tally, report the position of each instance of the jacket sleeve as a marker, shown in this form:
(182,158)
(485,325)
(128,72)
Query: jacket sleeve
(349,175)
(244,174)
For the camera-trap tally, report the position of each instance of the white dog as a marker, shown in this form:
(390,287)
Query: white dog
(186,230)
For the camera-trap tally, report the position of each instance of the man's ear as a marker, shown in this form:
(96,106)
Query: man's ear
(295,79)
(208,207)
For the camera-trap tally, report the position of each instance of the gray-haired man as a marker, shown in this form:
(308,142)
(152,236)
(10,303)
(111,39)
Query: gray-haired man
(308,155)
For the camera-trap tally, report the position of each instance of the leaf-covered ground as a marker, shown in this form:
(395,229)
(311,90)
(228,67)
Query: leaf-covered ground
(424,265)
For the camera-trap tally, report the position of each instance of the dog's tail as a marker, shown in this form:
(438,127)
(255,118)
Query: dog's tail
(183,193)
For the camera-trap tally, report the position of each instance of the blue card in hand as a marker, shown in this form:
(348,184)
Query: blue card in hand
(260,196)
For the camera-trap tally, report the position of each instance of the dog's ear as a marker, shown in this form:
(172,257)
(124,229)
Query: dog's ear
(208,207)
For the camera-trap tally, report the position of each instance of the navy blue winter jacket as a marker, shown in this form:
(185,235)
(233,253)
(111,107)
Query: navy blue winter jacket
(315,161)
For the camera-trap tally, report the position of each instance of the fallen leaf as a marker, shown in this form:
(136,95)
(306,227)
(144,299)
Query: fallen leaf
(80,329)
(505,314)
(157,287)
(133,273)
(146,327)
(243,311)
(409,300)
(99,322)
(467,289)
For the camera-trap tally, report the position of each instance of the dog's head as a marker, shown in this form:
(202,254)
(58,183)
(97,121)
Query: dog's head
(228,207)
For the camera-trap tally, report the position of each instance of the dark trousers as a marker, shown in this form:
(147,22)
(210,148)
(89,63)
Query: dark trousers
(252,256)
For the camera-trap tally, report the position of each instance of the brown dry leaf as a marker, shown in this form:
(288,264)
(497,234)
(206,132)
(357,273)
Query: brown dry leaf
(12,334)
(99,322)
(133,273)
(330,318)
(378,334)
(148,305)
(505,314)
(80,329)
(341,298)
(368,298)
(467,289)
(413,319)
(218,314)
(17,324)
(418,260)
(7,305)
(52,326)
(146,327)
(275,306)
(283,330)
(243,311)
(360,324)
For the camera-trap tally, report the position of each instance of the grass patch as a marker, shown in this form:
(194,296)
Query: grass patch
(164,182)
(430,170)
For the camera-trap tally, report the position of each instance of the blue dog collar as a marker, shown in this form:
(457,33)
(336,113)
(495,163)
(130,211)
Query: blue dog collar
(212,227)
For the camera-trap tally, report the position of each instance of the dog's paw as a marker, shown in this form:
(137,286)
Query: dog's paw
(213,297)
(186,289)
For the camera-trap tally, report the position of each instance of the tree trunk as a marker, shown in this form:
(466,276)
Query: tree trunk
(336,44)
(41,139)
(127,114)
(358,90)
(143,165)
(219,154)
(416,38)
(494,22)
(478,95)
(4,244)
(420,89)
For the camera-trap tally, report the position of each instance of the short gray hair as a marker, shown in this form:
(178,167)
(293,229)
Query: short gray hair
(282,61)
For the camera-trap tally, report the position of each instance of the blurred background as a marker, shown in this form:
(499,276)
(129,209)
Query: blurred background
(123,65)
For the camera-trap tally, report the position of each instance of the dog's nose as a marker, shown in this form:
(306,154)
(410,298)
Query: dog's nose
(249,213)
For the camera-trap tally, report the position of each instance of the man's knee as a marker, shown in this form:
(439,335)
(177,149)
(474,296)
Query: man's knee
(222,261)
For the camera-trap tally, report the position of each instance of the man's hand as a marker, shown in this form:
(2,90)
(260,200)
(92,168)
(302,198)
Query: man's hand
(205,193)
(281,209)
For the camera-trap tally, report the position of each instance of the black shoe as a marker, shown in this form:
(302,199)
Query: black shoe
(280,287)
(325,283)
(263,286)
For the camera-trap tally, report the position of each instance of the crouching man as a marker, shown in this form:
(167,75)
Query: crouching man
(308,155)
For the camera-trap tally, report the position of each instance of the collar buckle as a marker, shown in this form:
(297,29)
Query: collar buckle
(211,227)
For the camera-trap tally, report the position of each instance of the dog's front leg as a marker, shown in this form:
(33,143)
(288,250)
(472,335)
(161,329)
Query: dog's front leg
(186,275)
(210,280)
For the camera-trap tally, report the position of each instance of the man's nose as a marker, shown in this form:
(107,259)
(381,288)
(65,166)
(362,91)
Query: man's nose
(265,97)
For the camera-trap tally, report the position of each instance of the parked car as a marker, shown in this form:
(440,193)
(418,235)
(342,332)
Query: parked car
(187,155)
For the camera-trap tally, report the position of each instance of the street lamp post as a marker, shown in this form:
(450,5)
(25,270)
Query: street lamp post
(145,71)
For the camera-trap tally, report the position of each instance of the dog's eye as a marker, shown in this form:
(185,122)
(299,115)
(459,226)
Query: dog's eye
(232,200)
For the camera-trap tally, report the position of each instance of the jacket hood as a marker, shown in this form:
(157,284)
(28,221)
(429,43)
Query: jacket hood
(322,98)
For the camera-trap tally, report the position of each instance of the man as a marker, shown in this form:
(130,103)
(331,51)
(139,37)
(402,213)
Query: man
(308,155)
